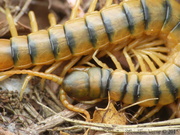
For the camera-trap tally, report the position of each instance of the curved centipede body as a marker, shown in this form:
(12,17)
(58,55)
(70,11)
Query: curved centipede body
(110,26)
(98,29)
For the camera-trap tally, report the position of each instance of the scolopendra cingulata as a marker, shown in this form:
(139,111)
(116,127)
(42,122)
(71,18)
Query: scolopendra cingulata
(132,19)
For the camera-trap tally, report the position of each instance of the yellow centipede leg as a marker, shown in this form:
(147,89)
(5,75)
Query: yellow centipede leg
(129,60)
(149,62)
(108,3)
(100,63)
(140,60)
(10,20)
(52,19)
(69,65)
(151,113)
(33,21)
(92,6)
(158,49)
(26,80)
(151,44)
(115,61)
(71,107)
(75,9)
(154,57)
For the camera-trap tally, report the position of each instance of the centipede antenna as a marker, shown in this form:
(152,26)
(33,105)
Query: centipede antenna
(75,9)
(50,70)
(33,21)
(92,6)
(140,60)
(129,60)
(52,77)
(149,62)
(10,20)
(100,63)
(115,61)
(151,113)
(52,19)
(69,106)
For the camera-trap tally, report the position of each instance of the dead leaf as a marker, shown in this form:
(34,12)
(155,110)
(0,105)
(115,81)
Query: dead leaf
(109,115)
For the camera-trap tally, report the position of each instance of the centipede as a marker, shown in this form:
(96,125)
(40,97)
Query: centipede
(106,29)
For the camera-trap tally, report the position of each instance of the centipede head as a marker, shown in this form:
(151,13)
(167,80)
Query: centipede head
(76,85)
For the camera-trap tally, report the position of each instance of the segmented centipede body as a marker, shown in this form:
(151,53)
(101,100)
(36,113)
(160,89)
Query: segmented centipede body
(128,87)
(98,29)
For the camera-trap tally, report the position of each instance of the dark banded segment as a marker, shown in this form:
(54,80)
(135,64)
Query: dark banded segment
(116,23)
(96,29)
(106,73)
(146,13)
(40,48)
(168,8)
(20,52)
(6,60)
(130,18)
(78,37)
(154,15)
(173,73)
(135,16)
(131,94)
(173,37)
(95,75)
(172,16)
(59,43)
(117,85)
(148,89)
(167,89)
